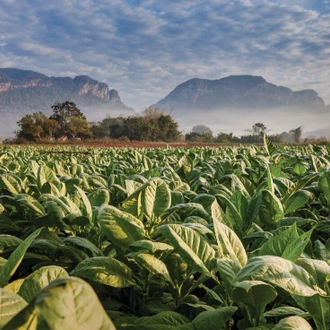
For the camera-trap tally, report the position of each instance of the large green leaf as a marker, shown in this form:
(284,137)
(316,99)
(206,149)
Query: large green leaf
(45,174)
(150,246)
(270,183)
(99,197)
(152,264)
(318,269)
(298,185)
(45,198)
(286,310)
(181,211)
(318,307)
(8,241)
(269,146)
(271,209)
(253,210)
(287,244)
(255,295)
(9,183)
(105,270)
(232,213)
(165,320)
(66,303)
(324,185)
(156,198)
(81,242)
(192,247)
(86,207)
(297,200)
(15,258)
(10,304)
(214,319)
(30,203)
(121,228)
(132,204)
(228,269)
(279,272)
(229,245)
(293,323)
(39,279)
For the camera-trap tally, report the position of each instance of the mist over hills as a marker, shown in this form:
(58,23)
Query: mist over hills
(243,91)
(230,104)
(235,103)
(24,91)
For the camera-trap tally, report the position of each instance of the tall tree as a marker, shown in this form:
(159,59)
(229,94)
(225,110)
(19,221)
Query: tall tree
(296,134)
(153,125)
(72,122)
(36,126)
(202,129)
(259,129)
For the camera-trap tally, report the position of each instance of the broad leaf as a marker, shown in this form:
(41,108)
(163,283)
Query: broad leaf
(296,201)
(165,320)
(150,246)
(39,279)
(324,185)
(121,228)
(10,304)
(279,272)
(255,295)
(8,241)
(86,207)
(67,303)
(152,264)
(214,319)
(105,270)
(228,269)
(99,197)
(287,244)
(318,269)
(269,146)
(271,210)
(318,307)
(156,198)
(293,323)
(15,258)
(45,174)
(192,247)
(9,183)
(84,243)
(229,244)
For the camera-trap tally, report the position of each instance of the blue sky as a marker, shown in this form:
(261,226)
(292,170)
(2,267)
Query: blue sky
(145,48)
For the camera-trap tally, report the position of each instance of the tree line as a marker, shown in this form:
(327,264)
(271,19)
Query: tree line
(68,122)
(202,133)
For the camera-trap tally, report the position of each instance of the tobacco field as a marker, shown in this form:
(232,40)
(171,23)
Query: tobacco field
(165,238)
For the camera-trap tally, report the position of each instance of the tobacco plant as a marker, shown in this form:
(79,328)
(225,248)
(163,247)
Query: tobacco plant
(165,238)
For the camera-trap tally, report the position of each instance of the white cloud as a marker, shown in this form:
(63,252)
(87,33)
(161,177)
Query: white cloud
(145,49)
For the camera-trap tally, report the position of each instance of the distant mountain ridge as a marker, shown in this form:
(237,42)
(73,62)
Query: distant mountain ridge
(242,91)
(25,91)
(81,89)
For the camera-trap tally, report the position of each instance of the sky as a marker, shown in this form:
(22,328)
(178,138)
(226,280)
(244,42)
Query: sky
(145,48)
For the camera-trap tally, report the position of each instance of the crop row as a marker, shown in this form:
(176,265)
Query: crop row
(165,238)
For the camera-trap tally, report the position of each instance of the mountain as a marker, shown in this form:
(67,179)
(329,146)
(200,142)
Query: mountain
(245,91)
(24,91)
(236,103)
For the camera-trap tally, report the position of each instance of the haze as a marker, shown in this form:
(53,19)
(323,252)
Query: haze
(276,120)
